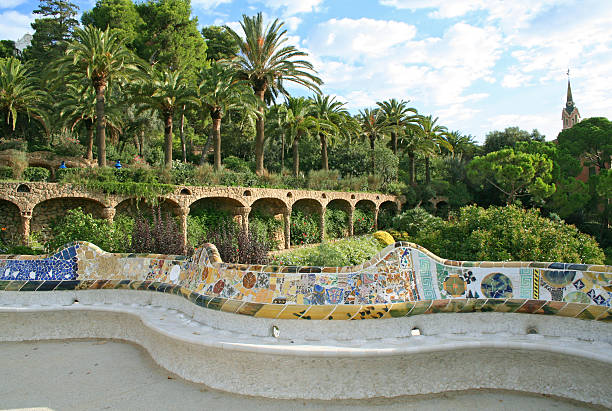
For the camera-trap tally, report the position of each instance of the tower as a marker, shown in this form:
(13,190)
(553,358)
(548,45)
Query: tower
(569,114)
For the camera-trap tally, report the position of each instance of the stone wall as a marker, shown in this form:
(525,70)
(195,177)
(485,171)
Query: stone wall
(10,222)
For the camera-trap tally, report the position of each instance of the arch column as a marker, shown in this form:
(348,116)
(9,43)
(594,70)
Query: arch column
(351,214)
(183,213)
(108,213)
(376,209)
(322,224)
(244,218)
(287,223)
(26,220)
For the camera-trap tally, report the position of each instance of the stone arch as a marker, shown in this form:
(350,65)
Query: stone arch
(275,208)
(23,188)
(247,193)
(133,207)
(338,225)
(312,209)
(387,210)
(221,208)
(48,211)
(364,218)
(10,222)
(185,191)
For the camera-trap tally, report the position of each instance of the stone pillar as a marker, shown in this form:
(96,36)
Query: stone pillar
(183,213)
(287,221)
(26,219)
(322,224)
(376,218)
(108,213)
(351,215)
(244,218)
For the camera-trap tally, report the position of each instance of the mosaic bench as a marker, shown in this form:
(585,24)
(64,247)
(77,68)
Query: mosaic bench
(239,328)
(402,280)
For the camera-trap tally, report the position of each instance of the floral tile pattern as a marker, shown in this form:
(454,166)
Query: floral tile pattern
(402,280)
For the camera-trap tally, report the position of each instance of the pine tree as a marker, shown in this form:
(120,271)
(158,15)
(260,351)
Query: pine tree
(55,25)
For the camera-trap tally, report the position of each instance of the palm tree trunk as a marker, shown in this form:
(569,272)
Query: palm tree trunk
(183,146)
(324,162)
(137,143)
(168,141)
(427,172)
(296,155)
(394,142)
(216,132)
(260,134)
(90,139)
(372,139)
(282,151)
(412,168)
(141,143)
(101,123)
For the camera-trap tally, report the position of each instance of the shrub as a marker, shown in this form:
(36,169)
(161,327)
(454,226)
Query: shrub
(15,144)
(78,226)
(6,173)
(508,233)
(18,161)
(414,220)
(236,164)
(345,252)
(238,247)
(336,223)
(161,236)
(323,180)
(363,221)
(36,174)
(304,228)
(67,145)
(384,238)
(182,173)
(399,235)
(266,228)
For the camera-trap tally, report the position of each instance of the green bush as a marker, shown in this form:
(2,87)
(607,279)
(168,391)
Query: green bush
(265,228)
(363,221)
(36,174)
(323,180)
(508,233)
(182,173)
(304,228)
(77,226)
(414,220)
(345,252)
(6,173)
(236,164)
(336,223)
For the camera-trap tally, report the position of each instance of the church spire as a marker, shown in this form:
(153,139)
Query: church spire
(569,114)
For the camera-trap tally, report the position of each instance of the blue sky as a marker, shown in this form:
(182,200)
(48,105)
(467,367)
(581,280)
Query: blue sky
(479,65)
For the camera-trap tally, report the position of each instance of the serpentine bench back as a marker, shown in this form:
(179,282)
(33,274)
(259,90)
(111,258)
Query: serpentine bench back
(403,279)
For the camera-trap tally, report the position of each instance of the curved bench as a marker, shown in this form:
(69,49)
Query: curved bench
(182,310)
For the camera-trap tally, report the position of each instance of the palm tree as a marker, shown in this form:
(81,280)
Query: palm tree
(279,117)
(374,127)
(219,92)
(78,107)
(266,64)
(302,122)
(326,108)
(434,137)
(461,144)
(166,91)
(398,114)
(20,93)
(101,58)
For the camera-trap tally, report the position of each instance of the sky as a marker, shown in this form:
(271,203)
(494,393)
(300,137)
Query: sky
(478,65)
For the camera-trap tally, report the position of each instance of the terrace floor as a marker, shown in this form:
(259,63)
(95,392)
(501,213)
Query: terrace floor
(111,375)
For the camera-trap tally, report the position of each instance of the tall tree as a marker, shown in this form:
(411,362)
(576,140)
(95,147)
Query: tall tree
(219,92)
(399,115)
(100,58)
(219,43)
(20,93)
(51,30)
(513,173)
(267,64)
(166,91)
(497,140)
(327,109)
(434,135)
(8,49)
(591,140)
(374,127)
(120,15)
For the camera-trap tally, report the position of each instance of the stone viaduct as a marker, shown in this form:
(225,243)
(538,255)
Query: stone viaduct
(33,206)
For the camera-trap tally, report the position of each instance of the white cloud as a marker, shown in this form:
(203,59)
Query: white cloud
(13,25)
(516,79)
(208,4)
(10,4)
(445,8)
(547,123)
(293,22)
(292,7)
